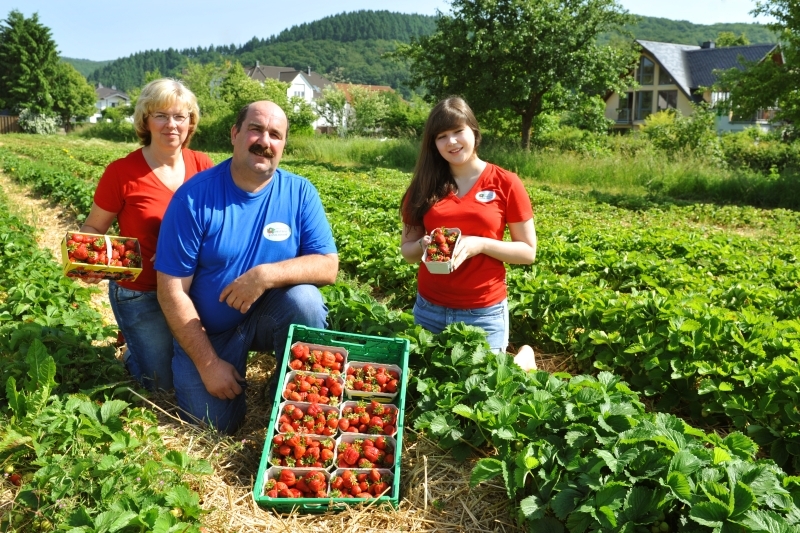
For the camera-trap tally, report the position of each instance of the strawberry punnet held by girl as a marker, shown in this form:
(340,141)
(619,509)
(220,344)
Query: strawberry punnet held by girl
(453,188)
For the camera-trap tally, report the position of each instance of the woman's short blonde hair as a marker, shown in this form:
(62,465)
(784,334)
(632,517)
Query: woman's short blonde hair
(158,95)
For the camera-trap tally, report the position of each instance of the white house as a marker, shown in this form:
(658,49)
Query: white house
(108,97)
(306,84)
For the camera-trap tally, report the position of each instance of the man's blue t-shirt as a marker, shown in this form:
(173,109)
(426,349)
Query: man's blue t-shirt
(215,231)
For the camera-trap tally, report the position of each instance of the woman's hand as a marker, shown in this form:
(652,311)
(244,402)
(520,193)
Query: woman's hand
(467,247)
(413,243)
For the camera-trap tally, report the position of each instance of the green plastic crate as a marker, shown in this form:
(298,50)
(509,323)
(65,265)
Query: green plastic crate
(359,348)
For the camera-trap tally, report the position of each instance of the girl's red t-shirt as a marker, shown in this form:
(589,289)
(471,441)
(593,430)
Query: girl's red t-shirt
(498,198)
(129,188)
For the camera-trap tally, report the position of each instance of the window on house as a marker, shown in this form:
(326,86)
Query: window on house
(113,104)
(625,108)
(299,93)
(664,77)
(644,107)
(647,71)
(667,100)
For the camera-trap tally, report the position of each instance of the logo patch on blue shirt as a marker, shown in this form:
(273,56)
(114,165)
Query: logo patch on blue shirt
(276,231)
(486,196)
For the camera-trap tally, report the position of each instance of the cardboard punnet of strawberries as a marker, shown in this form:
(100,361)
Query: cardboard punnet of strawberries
(94,256)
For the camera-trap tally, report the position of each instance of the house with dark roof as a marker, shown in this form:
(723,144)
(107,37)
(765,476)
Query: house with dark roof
(673,76)
(108,97)
(305,84)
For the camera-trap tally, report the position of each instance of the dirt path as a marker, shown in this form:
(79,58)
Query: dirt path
(51,223)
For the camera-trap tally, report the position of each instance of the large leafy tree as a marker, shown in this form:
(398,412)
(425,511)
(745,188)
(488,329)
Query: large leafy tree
(772,82)
(73,96)
(506,56)
(28,61)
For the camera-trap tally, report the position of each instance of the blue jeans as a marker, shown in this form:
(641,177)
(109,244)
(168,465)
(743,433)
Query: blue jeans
(147,336)
(493,320)
(265,327)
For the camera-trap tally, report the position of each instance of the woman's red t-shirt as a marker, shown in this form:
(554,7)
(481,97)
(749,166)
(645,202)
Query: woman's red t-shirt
(129,188)
(495,200)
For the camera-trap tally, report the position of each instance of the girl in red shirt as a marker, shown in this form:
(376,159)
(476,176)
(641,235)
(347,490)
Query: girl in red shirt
(136,190)
(454,188)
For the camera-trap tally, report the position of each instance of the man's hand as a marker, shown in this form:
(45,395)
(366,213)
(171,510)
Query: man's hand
(221,379)
(242,292)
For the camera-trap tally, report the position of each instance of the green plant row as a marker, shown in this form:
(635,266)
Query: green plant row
(56,150)
(581,454)
(696,305)
(60,186)
(73,455)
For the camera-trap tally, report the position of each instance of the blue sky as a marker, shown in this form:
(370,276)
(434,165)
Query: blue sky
(99,30)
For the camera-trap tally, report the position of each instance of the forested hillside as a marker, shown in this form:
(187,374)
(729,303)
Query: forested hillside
(685,32)
(344,47)
(86,66)
(349,47)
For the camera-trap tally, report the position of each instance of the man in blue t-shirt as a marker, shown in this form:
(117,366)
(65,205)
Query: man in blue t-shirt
(242,249)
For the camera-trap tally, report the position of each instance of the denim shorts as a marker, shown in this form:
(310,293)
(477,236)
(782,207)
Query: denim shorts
(265,327)
(493,320)
(147,336)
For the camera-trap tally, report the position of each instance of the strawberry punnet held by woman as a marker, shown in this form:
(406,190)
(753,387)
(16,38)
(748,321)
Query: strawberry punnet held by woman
(136,190)
(453,188)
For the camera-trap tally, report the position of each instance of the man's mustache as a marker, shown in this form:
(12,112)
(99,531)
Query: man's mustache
(261,151)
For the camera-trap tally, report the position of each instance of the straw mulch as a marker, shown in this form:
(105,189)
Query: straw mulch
(435,493)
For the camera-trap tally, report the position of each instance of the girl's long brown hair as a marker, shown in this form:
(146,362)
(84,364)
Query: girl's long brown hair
(432,178)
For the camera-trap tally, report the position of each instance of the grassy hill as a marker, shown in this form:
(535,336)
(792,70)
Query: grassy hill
(350,47)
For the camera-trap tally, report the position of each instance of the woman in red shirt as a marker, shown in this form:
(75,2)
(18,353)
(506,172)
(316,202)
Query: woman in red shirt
(454,188)
(135,190)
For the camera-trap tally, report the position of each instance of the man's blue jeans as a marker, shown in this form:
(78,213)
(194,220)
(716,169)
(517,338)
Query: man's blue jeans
(265,327)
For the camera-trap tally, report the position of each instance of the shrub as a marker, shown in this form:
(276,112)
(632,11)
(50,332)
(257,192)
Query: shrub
(110,131)
(760,151)
(42,124)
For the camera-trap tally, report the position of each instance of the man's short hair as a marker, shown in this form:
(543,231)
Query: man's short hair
(242,114)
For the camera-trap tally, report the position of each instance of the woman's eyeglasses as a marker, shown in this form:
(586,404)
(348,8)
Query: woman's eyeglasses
(163,118)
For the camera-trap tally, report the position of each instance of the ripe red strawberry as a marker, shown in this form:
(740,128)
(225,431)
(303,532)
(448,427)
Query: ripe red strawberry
(288,477)
(81,253)
(350,456)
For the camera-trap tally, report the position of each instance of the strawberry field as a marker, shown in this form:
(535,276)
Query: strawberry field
(679,324)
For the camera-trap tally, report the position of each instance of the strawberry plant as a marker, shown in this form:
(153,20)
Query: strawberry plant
(581,453)
(86,461)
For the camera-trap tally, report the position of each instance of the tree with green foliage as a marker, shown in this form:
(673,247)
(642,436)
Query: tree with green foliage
(28,63)
(505,56)
(772,82)
(332,106)
(73,96)
(728,38)
(368,109)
